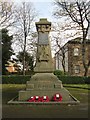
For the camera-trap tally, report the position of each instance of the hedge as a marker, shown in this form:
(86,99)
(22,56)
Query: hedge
(20,79)
(74,79)
(15,79)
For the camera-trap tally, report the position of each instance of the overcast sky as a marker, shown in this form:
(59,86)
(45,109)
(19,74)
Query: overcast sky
(43,7)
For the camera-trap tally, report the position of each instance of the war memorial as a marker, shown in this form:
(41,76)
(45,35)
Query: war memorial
(44,82)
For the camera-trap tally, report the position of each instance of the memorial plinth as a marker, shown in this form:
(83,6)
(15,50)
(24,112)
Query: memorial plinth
(44,82)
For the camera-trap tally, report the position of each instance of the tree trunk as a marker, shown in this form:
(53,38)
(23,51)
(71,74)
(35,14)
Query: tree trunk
(63,62)
(24,54)
(25,35)
(85,65)
(24,63)
(63,65)
(86,71)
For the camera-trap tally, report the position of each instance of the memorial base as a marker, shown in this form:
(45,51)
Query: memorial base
(41,84)
(44,84)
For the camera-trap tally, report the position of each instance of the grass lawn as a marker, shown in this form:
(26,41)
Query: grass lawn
(44,111)
(84,86)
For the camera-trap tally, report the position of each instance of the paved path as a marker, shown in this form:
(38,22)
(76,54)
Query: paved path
(45,111)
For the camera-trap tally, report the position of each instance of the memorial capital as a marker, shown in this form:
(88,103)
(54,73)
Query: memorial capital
(43,25)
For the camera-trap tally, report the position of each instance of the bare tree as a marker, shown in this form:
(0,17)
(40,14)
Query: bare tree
(61,34)
(79,12)
(61,52)
(26,16)
(58,44)
(7,17)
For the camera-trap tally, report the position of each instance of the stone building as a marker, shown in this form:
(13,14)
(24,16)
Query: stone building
(73,57)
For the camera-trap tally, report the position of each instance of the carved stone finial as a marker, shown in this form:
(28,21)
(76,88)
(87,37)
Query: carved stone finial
(43,25)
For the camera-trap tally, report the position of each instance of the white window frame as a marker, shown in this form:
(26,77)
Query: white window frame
(77,69)
(76,51)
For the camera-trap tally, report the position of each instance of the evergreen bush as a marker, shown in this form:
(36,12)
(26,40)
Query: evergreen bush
(58,72)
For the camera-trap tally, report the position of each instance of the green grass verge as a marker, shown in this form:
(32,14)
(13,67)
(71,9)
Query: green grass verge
(82,86)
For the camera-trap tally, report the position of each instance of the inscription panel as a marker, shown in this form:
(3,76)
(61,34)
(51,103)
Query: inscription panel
(43,38)
(45,86)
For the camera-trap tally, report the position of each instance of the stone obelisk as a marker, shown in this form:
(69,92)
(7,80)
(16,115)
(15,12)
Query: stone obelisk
(44,82)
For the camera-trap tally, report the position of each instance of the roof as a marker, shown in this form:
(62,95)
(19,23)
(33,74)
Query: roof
(74,41)
(78,40)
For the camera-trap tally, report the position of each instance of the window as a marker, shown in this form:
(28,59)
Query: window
(76,51)
(77,69)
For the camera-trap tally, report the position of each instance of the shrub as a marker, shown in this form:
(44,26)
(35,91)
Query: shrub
(58,72)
